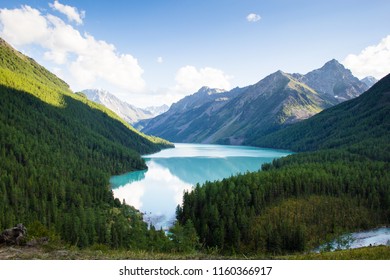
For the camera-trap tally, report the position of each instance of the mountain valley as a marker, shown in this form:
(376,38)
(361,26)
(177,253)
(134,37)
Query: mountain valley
(58,150)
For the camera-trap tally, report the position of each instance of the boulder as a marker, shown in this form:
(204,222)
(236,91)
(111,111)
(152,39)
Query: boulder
(13,235)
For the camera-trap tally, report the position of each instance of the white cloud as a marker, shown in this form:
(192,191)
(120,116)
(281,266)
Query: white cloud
(23,26)
(372,61)
(84,60)
(62,39)
(102,62)
(71,12)
(253,17)
(160,59)
(189,79)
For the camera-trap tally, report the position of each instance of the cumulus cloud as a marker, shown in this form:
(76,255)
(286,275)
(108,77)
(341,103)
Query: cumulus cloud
(190,79)
(89,62)
(160,59)
(23,26)
(372,61)
(102,62)
(71,13)
(253,17)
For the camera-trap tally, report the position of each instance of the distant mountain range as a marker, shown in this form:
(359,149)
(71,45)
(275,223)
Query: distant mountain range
(127,112)
(369,81)
(157,110)
(242,115)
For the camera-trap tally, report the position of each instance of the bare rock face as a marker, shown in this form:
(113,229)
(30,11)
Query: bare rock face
(335,80)
(127,112)
(13,235)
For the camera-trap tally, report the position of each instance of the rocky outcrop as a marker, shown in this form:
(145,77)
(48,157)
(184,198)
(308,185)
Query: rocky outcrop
(13,236)
(334,80)
(38,241)
(127,112)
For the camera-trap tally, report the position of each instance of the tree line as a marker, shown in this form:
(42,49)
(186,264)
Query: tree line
(291,205)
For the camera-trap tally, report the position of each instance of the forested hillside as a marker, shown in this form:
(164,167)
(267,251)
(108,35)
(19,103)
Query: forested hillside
(57,152)
(305,199)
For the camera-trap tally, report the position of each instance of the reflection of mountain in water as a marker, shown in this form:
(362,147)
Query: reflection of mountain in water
(200,169)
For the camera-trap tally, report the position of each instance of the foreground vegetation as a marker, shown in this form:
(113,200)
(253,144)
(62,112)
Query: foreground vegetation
(103,253)
(367,253)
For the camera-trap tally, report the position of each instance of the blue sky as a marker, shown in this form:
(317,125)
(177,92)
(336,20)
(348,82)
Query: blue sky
(154,52)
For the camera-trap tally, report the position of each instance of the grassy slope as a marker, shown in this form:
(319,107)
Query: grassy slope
(72,253)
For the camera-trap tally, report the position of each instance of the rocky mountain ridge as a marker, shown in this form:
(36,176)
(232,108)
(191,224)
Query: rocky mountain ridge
(126,111)
(242,115)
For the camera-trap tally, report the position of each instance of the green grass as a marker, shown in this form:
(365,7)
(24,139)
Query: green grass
(367,253)
(50,252)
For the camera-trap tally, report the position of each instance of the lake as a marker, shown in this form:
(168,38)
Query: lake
(159,189)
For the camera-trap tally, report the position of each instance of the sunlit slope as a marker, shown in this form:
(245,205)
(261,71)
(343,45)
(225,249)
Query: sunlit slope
(57,153)
(23,73)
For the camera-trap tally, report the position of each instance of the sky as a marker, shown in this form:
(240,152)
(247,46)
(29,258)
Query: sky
(154,52)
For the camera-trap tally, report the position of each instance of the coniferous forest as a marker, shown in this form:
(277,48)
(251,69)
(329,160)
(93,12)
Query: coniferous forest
(57,153)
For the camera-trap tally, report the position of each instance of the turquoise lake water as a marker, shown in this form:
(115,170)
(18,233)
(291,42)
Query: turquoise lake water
(157,191)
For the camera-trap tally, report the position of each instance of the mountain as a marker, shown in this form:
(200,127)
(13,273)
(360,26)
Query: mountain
(361,124)
(242,115)
(275,101)
(58,150)
(157,110)
(129,113)
(196,100)
(333,80)
(189,114)
(369,81)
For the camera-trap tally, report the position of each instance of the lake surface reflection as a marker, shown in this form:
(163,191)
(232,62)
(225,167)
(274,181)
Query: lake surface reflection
(158,190)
